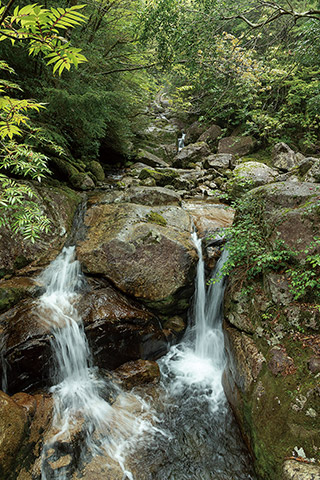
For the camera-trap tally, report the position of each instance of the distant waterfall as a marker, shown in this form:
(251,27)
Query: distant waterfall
(181,142)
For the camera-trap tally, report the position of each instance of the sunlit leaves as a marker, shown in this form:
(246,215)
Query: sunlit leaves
(41,28)
(19,210)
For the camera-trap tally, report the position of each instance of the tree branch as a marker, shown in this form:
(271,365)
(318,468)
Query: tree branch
(6,10)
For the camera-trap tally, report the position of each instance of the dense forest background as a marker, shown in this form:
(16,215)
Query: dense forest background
(249,66)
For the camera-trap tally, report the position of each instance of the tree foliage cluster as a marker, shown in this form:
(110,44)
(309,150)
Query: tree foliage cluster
(251,64)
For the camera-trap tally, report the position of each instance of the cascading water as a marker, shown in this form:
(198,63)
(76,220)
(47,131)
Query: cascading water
(203,440)
(181,142)
(82,416)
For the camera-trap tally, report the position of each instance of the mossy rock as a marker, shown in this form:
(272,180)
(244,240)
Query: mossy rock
(82,181)
(9,297)
(155,217)
(162,178)
(96,169)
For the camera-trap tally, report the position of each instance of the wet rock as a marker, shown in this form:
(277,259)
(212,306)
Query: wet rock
(211,134)
(27,349)
(13,426)
(236,145)
(145,251)
(149,159)
(59,204)
(283,157)
(140,372)
(295,470)
(190,155)
(175,324)
(280,362)
(245,361)
(28,402)
(219,161)
(118,329)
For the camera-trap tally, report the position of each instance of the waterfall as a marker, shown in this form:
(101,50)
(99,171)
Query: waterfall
(204,442)
(181,142)
(80,408)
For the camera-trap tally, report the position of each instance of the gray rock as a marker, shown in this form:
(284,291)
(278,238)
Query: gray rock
(145,251)
(219,161)
(149,159)
(236,145)
(283,157)
(211,134)
(313,174)
(193,153)
(193,132)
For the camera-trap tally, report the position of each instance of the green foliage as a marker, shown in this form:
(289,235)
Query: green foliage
(253,251)
(40,27)
(305,279)
(18,210)
(249,246)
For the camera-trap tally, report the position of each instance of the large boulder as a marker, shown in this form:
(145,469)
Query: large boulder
(272,338)
(118,329)
(26,348)
(150,159)
(283,157)
(239,146)
(191,154)
(211,134)
(59,204)
(249,175)
(194,131)
(219,161)
(145,251)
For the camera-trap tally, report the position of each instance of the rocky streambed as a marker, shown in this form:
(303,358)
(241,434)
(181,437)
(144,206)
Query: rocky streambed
(133,239)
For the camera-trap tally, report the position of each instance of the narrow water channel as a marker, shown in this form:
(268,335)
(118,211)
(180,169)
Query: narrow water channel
(188,433)
(203,440)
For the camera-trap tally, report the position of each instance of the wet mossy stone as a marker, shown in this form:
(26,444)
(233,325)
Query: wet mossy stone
(82,181)
(96,169)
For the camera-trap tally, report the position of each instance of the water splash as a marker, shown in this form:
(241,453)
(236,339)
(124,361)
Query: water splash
(83,416)
(205,440)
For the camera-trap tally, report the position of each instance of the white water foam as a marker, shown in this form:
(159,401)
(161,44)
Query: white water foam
(107,430)
(199,360)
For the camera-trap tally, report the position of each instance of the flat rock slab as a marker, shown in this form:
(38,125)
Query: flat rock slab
(209,218)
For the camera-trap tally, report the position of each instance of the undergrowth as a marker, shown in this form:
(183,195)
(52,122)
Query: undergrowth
(254,250)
